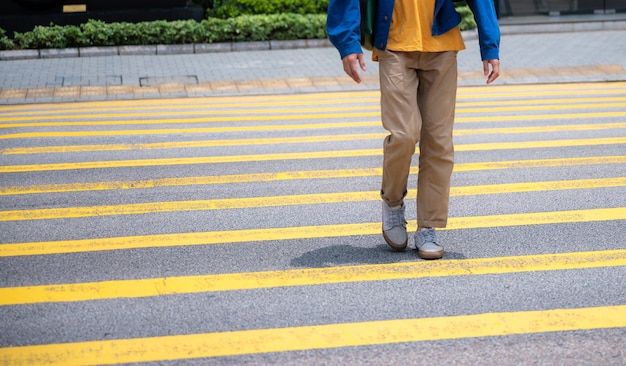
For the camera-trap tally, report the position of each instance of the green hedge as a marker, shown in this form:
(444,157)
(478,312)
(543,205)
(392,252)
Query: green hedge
(263,27)
(212,30)
(232,8)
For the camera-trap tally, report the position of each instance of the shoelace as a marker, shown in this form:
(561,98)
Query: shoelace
(397,217)
(428,235)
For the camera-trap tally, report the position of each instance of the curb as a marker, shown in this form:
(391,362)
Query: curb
(161,49)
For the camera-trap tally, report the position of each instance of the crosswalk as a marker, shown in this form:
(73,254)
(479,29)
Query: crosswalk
(246,230)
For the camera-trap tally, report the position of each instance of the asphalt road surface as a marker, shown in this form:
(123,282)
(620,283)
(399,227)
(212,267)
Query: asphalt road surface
(246,230)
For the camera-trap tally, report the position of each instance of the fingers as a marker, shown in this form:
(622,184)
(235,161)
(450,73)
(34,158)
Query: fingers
(361,61)
(350,65)
(491,68)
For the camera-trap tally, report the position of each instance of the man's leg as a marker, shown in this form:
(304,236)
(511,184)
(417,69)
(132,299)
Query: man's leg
(400,116)
(436,100)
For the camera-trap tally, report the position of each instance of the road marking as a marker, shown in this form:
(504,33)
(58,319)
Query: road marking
(307,139)
(66,112)
(529,102)
(227,101)
(295,175)
(211,115)
(530,92)
(176,131)
(312,126)
(539,144)
(300,232)
(324,116)
(283,156)
(177,347)
(539,129)
(91,291)
(70,109)
(276,201)
(327,336)
(192,144)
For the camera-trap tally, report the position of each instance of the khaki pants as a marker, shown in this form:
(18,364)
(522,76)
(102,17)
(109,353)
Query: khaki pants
(418,96)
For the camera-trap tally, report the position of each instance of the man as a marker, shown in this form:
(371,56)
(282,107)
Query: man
(415,43)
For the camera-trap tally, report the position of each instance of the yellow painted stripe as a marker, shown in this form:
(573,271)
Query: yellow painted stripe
(90,291)
(191,144)
(68,111)
(297,140)
(238,118)
(210,115)
(302,232)
(526,101)
(537,129)
(274,114)
(279,176)
(543,89)
(188,161)
(306,126)
(324,116)
(457,132)
(185,181)
(203,102)
(540,144)
(252,158)
(274,201)
(216,105)
(244,342)
(498,93)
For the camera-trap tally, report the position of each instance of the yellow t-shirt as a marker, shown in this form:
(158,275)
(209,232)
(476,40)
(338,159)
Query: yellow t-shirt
(411,26)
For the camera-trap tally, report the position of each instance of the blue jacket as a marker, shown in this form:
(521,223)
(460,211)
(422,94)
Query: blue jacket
(344,20)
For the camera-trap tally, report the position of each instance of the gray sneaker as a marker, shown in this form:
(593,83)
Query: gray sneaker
(427,244)
(394,227)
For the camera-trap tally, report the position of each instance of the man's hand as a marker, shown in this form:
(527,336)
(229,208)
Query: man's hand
(493,73)
(350,65)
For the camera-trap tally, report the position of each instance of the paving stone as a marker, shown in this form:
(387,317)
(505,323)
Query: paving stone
(251,46)
(316,43)
(98,51)
(19,54)
(58,53)
(286,45)
(119,89)
(40,93)
(92,91)
(137,50)
(175,49)
(172,88)
(67,91)
(13,93)
(213,47)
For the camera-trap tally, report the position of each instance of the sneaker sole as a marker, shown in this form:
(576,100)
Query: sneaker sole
(394,246)
(430,255)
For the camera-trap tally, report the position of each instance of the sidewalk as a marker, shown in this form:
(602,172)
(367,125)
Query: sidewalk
(582,51)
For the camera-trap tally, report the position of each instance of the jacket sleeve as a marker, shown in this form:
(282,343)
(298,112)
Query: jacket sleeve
(488,28)
(343,23)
